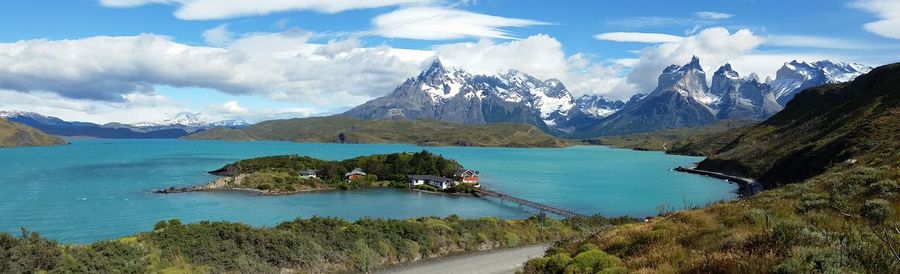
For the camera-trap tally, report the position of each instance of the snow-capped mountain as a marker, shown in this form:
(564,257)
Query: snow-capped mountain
(187,121)
(795,76)
(741,98)
(683,99)
(598,106)
(688,80)
(452,94)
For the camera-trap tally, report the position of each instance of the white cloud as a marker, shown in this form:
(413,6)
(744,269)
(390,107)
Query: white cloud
(638,37)
(231,108)
(888,11)
(223,9)
(134,107)
(539,55)
(714,47)
(433,23)
(804,41)
(218,36)
(713,15)
(335,47)
(278,66)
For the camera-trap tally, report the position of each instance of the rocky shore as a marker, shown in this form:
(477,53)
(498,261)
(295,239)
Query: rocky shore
(235,183)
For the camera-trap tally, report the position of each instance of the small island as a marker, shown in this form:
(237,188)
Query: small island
(292,174)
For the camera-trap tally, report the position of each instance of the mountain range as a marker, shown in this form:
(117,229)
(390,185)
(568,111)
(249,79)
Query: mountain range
(182,125)
(454,95)
(683,98)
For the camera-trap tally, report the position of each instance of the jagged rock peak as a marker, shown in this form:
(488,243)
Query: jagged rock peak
(436,68)
(694,64)
(726,70)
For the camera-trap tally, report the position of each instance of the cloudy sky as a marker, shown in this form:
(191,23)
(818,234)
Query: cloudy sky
(145,60)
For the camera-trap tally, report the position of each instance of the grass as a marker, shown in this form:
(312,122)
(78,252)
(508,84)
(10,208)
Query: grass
(342,129)
(696,141)
(16,135)
(840,222)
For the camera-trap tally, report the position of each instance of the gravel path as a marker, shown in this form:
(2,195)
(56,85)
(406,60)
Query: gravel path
(488,262)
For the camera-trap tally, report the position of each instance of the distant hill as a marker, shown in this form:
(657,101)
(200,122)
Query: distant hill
(343,129)
(821,127)
(56,126)
(699,141)
(18,135)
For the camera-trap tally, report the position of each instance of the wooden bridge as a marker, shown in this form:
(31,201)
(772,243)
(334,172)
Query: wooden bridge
(481,192)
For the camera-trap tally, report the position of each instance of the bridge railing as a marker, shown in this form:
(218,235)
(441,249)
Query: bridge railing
(527,203)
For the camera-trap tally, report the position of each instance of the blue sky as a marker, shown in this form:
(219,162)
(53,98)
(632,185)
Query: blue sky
(108,60)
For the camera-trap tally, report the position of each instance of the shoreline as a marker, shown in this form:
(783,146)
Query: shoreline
(221,185)
(746,187)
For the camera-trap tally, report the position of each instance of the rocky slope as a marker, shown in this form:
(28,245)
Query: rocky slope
(18,135)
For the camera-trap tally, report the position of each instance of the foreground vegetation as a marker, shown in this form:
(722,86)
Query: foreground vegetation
(317,245)
(18,135)
(696,141)
(342,129)
(832,163)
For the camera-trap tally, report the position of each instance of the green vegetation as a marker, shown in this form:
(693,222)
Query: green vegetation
(19,135)
(316,245)
(342,129)
(844,221)
(696,141)
(832,161)
(281,174)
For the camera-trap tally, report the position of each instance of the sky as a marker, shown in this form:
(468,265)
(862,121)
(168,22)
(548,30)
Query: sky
(148,60)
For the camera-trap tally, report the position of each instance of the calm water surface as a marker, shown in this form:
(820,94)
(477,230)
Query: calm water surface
(102,189)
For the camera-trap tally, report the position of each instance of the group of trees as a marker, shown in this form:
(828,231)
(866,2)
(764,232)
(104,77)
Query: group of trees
(384,167)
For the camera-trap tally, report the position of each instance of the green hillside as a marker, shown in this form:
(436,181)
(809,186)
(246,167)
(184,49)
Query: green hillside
(699,141)
(836,145)
(342,129)
(19,135)
(820,128)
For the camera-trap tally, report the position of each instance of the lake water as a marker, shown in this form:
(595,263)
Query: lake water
(102,189)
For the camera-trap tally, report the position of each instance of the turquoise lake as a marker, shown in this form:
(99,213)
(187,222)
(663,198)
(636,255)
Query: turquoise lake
(102,189)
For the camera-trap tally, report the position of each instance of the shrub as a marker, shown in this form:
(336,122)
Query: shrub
(512,239)
(884,187)
(557,263)
(877,210)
